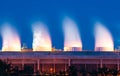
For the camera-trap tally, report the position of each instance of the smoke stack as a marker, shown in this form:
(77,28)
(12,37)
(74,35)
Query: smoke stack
(103,39)
(41,38)
(72,40)
(11,39)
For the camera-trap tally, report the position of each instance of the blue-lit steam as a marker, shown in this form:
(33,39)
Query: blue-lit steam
(103,38)
(71,34)
(41,38)
(11,39)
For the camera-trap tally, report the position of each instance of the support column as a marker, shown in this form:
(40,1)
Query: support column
(101,63)
(85,66)
(34,66)
(38,64)
(65,66)
(118,65)
(69,62)
(22,64)
(97,67)
(54,68)
(43,67)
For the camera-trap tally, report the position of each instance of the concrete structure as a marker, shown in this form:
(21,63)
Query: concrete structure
(101,48)
(72,48)
(56,61)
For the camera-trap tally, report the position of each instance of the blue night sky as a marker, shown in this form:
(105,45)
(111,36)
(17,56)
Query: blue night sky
(21,13)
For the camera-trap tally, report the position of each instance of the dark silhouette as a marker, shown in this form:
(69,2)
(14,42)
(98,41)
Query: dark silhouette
(5,68)
(83,72)
(72,71)
(28,70)
(103,71)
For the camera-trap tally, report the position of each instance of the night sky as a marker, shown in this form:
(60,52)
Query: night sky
(22,13)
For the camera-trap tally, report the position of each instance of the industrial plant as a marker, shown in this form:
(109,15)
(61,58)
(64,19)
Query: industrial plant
(42,57)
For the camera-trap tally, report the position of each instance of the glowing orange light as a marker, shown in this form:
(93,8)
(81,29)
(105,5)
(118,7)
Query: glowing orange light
(11,40)
(41,38)
(71,33)
(103,39)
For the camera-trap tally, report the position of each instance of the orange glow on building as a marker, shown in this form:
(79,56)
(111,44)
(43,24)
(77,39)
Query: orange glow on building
(41,38)
(103,39)
(73,45)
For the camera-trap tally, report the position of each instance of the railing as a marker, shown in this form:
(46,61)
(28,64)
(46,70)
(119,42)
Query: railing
(59,54)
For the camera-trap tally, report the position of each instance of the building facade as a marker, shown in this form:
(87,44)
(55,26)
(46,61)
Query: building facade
(60,61)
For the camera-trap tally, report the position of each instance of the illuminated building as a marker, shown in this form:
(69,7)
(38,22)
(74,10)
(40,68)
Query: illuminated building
(61,60)
(42,57)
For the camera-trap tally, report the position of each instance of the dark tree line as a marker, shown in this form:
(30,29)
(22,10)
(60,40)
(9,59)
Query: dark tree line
(6,69)
(99,72)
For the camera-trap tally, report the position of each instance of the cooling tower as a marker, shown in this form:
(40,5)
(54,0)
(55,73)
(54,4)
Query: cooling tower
(72,40)
(41,38)
(11,40)
(103,39)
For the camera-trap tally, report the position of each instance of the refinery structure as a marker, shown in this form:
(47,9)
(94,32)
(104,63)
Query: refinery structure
(42,57)
(42,40)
